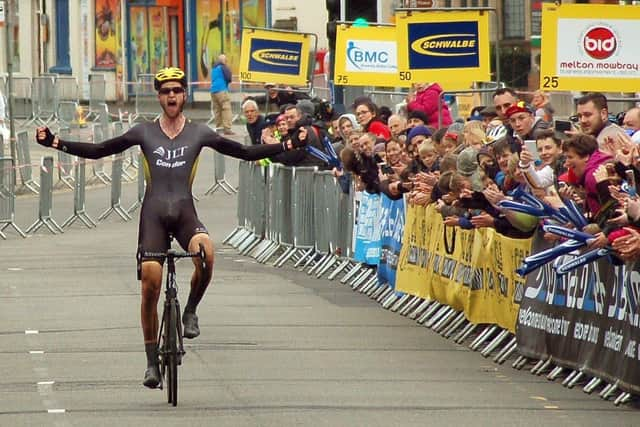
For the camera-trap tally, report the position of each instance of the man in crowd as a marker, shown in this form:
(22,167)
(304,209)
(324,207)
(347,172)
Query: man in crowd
(593,118)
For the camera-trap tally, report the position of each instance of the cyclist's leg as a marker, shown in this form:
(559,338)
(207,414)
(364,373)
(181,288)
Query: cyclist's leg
(200,278)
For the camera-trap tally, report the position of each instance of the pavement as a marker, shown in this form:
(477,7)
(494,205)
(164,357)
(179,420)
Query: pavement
(277,348)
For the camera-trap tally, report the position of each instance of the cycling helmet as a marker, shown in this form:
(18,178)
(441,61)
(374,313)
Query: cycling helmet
(496,133)
(169,74)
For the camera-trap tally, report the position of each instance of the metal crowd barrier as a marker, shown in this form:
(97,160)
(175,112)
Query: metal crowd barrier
(8,198)
(21,103)
(116,191)
(220,178)
(79,187)
(97,93)
(24,163)
(65,162)
(46,199)
(146,101)
(99,174)
(43,99)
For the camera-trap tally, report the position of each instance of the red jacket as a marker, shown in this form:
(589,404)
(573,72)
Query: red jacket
(427,101)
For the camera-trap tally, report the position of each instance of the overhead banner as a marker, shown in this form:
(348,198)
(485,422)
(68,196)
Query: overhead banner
(366,56)
(451,48)
(274,56)
(590,48)
(587,319)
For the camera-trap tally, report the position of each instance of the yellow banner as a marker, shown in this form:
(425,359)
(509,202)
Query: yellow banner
(366,56)
(451,48)
(590,48)
(274,56)
(478,277)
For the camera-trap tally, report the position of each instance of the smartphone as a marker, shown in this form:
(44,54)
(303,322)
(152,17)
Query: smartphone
(562,125)
(532,148)
(631,178)
(386,169)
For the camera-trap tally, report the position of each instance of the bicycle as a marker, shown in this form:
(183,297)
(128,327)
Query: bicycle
(170,344)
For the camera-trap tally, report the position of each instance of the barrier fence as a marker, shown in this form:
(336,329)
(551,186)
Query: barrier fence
(571,327)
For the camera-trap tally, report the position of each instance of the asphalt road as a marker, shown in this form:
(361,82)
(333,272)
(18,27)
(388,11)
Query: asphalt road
(278,348)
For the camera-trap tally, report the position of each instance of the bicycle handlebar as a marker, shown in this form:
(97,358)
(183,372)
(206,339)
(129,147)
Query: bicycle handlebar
(172,253)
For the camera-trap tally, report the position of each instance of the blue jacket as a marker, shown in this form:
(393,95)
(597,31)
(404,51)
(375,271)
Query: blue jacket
(220,78)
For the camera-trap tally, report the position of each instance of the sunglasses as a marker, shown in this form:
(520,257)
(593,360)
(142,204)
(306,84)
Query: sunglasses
(168,90)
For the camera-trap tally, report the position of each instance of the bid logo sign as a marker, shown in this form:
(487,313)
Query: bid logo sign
(600,43)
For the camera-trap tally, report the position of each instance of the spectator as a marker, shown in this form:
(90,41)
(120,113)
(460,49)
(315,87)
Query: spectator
(542,106)
(593,117)
(416,118)
(504,98)
(397,126)
(631,123)
(366,114)
(255,121)
(582,159)
(301,131)
(220,80)
(546,173)
(425,97)
(416,136)
(525,125)
(276,98)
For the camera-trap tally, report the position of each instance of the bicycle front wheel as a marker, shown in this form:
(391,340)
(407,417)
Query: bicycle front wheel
(171,333)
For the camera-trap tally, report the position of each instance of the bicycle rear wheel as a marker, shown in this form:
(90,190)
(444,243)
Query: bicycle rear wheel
(171,368)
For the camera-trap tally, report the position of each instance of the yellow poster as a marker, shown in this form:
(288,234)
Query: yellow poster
(451,48)
(366,56)
(107,22)
(275,56)
(590,47)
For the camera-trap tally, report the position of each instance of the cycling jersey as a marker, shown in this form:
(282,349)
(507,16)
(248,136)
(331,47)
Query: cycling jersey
(169,166)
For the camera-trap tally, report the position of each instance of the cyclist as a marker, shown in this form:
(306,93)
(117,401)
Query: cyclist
(170,146)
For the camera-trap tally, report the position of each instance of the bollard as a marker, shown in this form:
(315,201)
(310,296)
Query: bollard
(8,198)
(46,199)
(79,187)
(116,191)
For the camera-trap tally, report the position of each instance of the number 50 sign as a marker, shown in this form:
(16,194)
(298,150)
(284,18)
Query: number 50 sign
(583,53)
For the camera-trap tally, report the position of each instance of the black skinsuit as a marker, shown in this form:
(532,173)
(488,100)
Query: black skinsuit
(169,167)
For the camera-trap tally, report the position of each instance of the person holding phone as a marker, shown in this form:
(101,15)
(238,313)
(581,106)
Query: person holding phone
(547,150)
(525,125)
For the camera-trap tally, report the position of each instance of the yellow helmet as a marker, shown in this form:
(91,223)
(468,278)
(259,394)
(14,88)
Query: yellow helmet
(169,74)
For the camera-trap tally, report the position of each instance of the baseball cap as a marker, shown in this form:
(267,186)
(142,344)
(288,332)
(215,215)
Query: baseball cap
(518,107)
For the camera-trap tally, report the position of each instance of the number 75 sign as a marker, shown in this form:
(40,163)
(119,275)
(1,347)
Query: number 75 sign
(583,53)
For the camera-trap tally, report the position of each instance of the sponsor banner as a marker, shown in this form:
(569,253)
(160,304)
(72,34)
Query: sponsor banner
(590,48)
(587,319)
(367,239)
(451,48)
(392,219)
(478,276)
(366,55)
(274,56)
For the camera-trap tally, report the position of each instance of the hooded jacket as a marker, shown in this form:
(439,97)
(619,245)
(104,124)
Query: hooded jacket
(589,181)
(427,101)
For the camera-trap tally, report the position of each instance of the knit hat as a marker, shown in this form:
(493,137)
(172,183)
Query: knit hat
(418,130)
(418,114)
(467,165)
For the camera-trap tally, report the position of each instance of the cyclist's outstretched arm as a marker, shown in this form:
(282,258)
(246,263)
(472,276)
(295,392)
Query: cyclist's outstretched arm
(86,149)
(232,148)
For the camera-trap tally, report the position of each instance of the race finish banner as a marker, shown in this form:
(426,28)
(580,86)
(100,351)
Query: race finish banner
(590,48)
(275,56)
(451,48)
(365,56)
(586,319)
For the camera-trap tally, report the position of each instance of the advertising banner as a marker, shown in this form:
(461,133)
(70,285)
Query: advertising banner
(451,48)
(474,272)
(586,319)
(590,48)
(367,235)
(392,220)
(366,55)
(274,56)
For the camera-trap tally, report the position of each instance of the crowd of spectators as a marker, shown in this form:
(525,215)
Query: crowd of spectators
(468,168)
